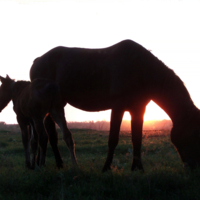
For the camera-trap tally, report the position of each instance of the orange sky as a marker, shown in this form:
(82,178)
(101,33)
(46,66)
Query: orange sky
(30,28)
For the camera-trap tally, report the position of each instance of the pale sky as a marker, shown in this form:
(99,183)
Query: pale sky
(169,28)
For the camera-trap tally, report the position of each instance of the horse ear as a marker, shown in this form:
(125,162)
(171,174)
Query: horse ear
(2,79)
(7,77)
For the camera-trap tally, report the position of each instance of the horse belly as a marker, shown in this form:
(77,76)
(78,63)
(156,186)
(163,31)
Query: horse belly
(105,98)
(87,97)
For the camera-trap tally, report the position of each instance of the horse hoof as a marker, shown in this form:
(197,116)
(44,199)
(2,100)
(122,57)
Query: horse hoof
(105,168)
(135,168)
(28,165)
(60,165)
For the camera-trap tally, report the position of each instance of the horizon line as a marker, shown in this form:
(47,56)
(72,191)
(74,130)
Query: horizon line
(2,122)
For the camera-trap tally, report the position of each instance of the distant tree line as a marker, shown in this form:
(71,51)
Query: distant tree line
(101,125)
(125,126)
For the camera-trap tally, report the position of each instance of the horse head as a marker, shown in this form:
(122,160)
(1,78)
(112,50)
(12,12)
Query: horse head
(185,136)
(5,91)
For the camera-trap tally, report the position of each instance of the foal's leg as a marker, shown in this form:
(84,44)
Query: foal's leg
(53,139)
(23,123)
(43,140)
(136,130)
(34,144)
(116,119)
(59,117)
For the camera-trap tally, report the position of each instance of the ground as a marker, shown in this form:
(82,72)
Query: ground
(164,177)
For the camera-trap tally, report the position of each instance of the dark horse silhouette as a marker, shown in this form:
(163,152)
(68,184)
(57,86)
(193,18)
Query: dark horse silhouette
(33,101)
(123,77)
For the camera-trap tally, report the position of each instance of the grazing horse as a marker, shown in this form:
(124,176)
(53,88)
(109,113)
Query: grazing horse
(33,101)
(124,77)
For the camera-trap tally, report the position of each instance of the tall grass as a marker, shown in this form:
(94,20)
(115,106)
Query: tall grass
(164,176)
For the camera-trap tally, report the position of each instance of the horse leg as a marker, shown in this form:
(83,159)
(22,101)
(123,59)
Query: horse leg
(34,144)
(116,119)
(59,116)
(38,157)
(43,140)
(136,131)
(25,139)
(53,139)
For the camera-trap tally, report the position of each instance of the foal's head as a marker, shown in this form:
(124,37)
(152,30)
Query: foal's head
(5,91)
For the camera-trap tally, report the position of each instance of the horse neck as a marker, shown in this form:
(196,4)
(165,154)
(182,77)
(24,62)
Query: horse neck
(17,88)
(173,97)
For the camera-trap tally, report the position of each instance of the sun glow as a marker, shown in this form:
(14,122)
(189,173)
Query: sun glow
(153,112)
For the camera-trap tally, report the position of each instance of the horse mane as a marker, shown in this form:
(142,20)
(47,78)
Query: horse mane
(19,87)
(172,83)
(171,94)
(167,79)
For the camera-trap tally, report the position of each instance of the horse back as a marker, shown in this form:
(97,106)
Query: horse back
(94,79)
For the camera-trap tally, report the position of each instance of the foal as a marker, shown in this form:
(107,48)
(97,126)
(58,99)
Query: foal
(33,101)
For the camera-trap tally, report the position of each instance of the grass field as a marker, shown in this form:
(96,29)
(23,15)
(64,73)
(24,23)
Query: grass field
(164,176)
